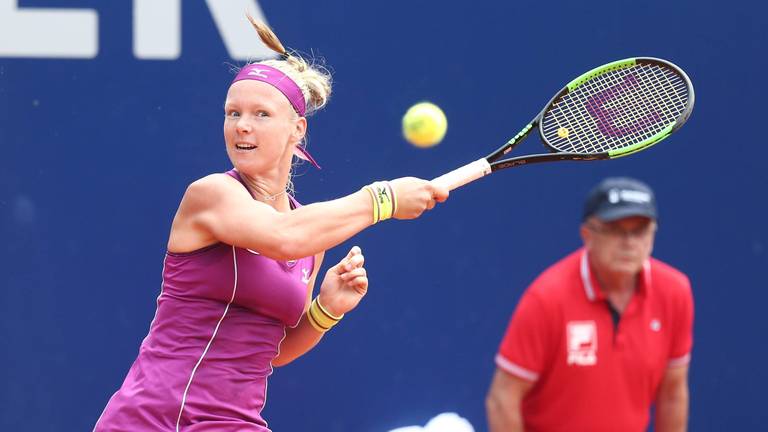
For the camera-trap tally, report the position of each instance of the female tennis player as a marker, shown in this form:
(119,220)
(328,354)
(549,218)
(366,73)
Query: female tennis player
(242,260)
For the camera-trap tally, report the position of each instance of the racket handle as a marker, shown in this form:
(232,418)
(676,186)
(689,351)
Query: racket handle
(463,175)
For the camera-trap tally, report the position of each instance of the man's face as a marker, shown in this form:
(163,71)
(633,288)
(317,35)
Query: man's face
(621,246)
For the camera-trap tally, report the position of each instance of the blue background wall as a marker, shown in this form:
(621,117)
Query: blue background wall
(96,153)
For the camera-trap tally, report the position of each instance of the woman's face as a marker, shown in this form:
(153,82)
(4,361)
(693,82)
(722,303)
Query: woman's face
(260,128)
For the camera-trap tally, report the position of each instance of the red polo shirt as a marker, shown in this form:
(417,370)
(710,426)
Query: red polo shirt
(591,372)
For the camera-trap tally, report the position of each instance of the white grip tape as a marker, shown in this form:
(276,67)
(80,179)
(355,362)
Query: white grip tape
(463,175)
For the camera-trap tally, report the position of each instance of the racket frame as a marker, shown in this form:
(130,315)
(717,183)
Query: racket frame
(494,158)
(494,162)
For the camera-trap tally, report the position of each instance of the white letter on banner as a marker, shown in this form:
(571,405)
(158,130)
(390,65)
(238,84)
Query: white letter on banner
(240,38)
(47,32)
(157,29)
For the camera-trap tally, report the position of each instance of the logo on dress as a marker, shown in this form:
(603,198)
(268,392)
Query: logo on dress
(582,343)
(305,275)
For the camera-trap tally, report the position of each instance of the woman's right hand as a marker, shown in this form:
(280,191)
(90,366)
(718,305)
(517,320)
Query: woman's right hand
(414,195)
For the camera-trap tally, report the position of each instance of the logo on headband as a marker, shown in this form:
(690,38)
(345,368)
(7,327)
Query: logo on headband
(258,73)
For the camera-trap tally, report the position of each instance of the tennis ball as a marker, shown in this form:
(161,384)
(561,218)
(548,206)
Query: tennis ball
(424,124)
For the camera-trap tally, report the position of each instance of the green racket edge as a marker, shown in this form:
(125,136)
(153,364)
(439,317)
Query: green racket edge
(642,145)
(618,64)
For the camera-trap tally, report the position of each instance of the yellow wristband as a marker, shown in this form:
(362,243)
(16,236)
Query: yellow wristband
(320,318)
(314,323)
(326,313)
(375,204)
(383,195)
(394,198)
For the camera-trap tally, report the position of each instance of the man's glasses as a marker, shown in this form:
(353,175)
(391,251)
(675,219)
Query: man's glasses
(617,231)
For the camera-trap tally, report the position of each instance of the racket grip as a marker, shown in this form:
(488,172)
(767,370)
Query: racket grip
(463,175)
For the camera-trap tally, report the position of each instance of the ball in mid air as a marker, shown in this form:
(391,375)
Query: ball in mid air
(424,124)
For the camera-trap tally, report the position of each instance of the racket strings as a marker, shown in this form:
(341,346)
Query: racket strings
(624,92)
(616,109)
(605,96)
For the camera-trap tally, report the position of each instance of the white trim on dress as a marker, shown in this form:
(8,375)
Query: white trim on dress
(213,336)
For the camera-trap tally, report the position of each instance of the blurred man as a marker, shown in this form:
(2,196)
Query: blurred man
(602,335)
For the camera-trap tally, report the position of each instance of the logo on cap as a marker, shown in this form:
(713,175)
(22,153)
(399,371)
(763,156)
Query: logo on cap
(635,196)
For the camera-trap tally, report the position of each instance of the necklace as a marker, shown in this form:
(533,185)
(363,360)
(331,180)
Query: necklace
(273,197)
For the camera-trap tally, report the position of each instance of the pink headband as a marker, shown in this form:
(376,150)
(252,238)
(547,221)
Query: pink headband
(282,82)
(278,80)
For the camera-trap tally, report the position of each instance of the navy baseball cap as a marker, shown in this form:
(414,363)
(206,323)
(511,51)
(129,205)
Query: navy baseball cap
(619,197)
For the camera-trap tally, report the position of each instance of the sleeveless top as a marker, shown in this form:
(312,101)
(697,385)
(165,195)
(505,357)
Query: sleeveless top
(220,318)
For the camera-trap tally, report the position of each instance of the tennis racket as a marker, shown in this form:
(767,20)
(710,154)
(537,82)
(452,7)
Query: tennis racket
(614,110)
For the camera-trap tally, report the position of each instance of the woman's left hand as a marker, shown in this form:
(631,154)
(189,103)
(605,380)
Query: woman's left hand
(345,284)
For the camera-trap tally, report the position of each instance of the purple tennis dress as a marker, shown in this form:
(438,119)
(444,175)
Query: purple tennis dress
(220,318)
